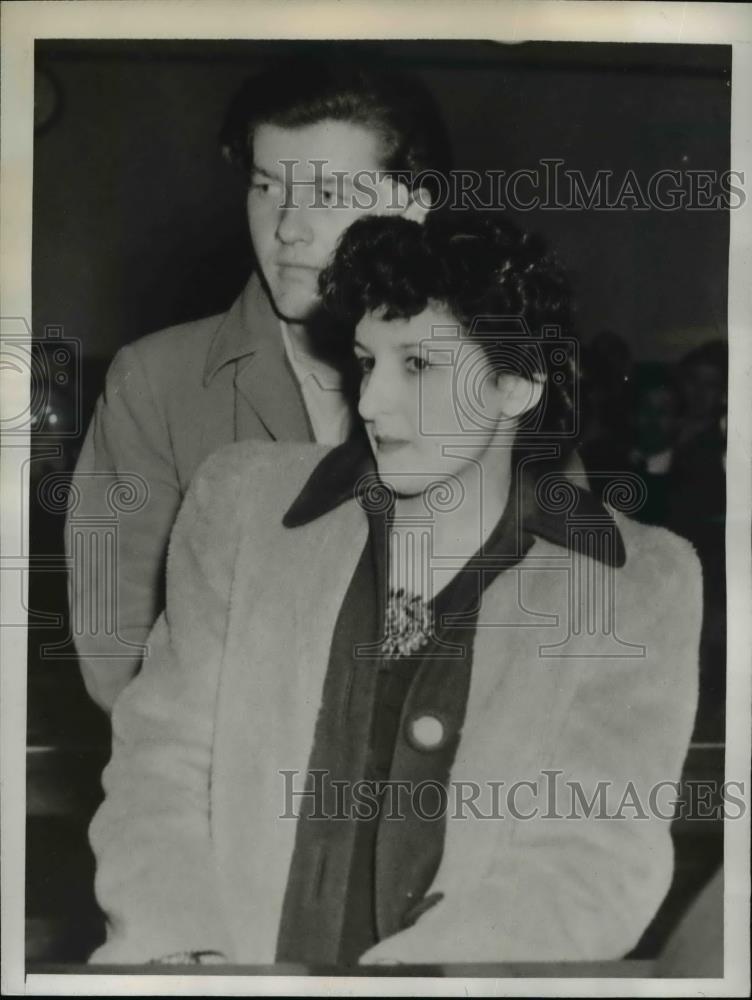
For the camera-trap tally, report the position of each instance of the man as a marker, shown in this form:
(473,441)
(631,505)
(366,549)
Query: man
(322,144)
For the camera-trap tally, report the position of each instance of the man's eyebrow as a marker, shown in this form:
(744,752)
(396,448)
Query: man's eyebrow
(319,181)
(328,180)
(266,173)
(357,343)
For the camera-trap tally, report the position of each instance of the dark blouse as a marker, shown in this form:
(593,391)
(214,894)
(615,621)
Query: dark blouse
(330,913)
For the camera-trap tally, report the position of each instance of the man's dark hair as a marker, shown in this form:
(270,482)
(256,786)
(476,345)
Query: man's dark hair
(309,88)
(502,286)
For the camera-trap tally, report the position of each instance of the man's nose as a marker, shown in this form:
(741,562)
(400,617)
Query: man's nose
(294,225)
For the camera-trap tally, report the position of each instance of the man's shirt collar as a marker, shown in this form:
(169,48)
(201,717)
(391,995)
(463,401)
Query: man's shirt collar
(305,365)
(349,468)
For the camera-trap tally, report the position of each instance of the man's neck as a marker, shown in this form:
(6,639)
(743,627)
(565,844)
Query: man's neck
(298,334)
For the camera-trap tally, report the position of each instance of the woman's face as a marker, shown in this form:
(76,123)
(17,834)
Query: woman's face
(429,399)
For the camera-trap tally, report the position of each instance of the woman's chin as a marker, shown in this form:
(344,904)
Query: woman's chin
(402,482)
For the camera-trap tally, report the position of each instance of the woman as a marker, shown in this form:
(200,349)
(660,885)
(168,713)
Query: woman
(411,698)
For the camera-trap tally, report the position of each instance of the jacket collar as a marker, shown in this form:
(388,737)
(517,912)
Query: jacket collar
(336,478)
(251,334)
(250,326)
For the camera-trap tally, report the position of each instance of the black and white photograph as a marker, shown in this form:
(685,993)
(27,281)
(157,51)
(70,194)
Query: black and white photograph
(376,475)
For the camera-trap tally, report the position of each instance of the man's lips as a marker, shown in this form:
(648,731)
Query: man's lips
(292,266)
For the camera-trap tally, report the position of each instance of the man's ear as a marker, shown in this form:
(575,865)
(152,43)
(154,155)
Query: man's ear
(411,205)
(515,395)
(418,206)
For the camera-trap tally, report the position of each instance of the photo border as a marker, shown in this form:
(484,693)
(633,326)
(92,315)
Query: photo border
(565,20)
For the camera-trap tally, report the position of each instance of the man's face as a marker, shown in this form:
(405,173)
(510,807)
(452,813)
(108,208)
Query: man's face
(421,380)
(302,199)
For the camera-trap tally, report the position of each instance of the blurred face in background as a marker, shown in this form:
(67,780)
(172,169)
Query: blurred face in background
(656,420)
(703,391)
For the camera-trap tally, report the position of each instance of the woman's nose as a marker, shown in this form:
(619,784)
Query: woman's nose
(368,401)
(294,226)
(374,394)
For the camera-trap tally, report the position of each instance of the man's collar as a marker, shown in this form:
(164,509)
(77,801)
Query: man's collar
(250,325)
(304,363)
(336,477)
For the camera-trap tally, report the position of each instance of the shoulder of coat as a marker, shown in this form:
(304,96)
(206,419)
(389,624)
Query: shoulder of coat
(168,354)
(260,472)
(662,574)
(660,566)
(656,546)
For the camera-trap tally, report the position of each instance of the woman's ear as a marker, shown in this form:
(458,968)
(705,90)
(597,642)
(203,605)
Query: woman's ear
(516,395)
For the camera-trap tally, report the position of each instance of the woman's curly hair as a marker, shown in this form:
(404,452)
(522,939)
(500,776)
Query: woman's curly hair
(501,285)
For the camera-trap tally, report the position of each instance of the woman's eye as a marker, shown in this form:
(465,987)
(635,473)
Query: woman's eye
(365,364)
(416,364)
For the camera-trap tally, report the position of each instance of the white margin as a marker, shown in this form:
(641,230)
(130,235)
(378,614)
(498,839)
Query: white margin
(503,20)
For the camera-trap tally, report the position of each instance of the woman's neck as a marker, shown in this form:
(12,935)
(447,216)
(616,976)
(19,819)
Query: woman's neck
(434,535)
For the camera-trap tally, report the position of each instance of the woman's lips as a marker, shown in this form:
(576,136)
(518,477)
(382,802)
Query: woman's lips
(385,445)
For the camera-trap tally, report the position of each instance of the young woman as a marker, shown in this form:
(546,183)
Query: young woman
(419,698)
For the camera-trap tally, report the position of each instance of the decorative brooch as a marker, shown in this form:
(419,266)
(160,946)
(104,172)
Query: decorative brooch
(409,624)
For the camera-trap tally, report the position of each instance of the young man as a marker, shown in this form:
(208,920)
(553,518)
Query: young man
(323,143)
(437,700)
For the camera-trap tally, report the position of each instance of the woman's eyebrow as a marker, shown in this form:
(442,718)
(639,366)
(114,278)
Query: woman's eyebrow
(411,345)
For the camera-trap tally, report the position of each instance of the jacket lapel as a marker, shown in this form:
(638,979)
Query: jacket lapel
(248,342)
(268,387)
(264,382)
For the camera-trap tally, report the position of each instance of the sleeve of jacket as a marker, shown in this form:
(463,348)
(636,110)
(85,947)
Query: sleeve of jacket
(584,887)
(127,498)
(155,877)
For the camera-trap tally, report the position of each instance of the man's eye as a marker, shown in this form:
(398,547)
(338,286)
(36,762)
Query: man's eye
(415,364)
(365,363)
(262,185)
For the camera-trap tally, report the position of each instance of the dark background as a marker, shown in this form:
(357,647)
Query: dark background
(139,224)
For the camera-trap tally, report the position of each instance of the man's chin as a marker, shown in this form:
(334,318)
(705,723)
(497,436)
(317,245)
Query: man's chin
(293,304)
(294,312)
